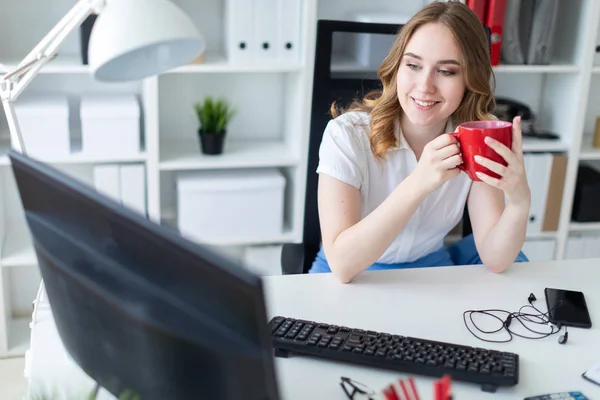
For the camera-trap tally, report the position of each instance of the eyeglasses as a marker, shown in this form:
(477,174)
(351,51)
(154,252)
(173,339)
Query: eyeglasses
(356,390)
(404,390)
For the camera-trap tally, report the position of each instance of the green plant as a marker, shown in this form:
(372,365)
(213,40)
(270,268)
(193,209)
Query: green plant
(214,115)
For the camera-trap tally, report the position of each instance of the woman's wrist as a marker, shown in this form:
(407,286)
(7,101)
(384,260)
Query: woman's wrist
(522,203)
(520,209)
(413,186)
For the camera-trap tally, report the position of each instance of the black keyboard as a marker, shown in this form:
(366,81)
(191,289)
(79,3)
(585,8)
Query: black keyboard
(490,368)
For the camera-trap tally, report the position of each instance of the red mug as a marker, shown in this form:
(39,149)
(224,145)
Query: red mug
(471,136)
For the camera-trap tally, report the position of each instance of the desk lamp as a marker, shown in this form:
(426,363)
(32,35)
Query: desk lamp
(131,40)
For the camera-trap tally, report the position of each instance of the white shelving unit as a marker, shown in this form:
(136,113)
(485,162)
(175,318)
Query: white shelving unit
(272,124)
(564,95)
(270,130)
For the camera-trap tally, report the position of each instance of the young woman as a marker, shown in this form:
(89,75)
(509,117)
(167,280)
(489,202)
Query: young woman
(389,190)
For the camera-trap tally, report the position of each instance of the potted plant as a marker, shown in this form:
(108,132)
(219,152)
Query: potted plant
(213,115)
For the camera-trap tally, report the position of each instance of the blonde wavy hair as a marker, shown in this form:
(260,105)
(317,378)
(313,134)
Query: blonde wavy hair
(478,101)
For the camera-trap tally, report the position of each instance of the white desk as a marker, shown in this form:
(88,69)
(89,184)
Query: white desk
(426,303)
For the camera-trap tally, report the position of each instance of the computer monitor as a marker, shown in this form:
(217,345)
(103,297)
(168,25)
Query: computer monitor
(139,308)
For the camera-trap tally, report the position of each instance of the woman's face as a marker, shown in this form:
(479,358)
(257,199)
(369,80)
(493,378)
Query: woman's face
(430,82)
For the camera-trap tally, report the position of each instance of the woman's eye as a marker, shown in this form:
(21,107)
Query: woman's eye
(412,66)
(445,72)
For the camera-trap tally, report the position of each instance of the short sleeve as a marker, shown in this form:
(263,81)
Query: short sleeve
(341,154)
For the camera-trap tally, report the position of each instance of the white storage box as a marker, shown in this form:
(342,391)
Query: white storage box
(221,207)
(44,123)
(370,49)
(110,125)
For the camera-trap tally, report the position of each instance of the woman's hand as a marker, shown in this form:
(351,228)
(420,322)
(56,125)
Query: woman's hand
(438,163)
(513,181)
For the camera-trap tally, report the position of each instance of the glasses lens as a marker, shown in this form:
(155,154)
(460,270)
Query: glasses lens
(356,390)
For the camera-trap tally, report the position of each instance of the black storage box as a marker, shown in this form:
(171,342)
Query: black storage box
(586,203)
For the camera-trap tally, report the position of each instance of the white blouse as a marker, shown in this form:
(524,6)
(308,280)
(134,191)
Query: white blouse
(345,154)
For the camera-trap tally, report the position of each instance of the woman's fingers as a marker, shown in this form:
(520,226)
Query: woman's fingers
(452,162)
(447,152)
(491,165)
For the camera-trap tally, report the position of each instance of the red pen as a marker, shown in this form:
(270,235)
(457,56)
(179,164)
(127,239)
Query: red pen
(441,388)
(414,388)
(390,393)
(403,387)
(448,387)
(437,391)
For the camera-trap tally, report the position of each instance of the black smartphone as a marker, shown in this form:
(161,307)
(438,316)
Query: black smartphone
(567,307)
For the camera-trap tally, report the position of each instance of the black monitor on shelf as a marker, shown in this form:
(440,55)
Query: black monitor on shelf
(139,308)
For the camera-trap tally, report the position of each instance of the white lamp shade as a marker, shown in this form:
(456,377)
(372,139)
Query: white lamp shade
(135,39)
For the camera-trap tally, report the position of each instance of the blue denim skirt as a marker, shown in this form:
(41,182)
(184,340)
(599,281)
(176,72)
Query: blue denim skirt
(462,252)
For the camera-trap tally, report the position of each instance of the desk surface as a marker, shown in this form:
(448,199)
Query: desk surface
(429,303)
(426,303)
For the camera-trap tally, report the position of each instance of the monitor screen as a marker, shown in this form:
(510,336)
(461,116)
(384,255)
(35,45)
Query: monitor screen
(139,308)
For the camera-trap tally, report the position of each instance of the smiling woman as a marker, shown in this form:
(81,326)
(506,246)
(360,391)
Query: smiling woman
(389,187)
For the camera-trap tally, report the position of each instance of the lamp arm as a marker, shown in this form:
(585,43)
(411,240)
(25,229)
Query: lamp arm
(13,83)
(48,47)
(52,34)
(16,139)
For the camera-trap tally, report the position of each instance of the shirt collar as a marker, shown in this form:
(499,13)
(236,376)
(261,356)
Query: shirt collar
(401,140)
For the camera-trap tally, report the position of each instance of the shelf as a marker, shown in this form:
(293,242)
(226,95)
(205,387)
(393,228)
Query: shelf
(75,157)
(584,226)
(169,220)
(71,64)
(541,235)
(285,237)
(588,152)
(17,247)
(216,63)
(19,335)
(63,64)
(345,63)
(538,69)
(185,154)
(544,145)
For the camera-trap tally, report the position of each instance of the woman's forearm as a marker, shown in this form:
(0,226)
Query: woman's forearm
(503,243)
(361,245)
